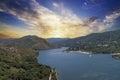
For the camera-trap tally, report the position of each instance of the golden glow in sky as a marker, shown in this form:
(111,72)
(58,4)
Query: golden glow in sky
(60,22)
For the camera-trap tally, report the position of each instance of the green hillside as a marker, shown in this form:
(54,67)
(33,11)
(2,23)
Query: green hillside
(33,42)
(107,42)
(18,59)
(21,65)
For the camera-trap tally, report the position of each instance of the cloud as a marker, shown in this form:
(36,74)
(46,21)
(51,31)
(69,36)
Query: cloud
(44,20)
(92,19)
(46,23)
(55,5)
(107,22)
(110,18)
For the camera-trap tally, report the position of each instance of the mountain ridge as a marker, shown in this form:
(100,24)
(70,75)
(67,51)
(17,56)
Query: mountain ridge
(106,42)
(29,41)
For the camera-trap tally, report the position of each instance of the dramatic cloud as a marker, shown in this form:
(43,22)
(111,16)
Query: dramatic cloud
(46,23)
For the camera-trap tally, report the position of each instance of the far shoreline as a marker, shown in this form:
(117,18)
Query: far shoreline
(79,52)
(86,52)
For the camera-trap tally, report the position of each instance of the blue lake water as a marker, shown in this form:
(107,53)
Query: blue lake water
(79,66)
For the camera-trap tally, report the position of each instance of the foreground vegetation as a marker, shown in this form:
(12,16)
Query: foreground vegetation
(21,64)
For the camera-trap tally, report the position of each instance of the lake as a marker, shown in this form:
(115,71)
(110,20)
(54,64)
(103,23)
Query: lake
(79,66)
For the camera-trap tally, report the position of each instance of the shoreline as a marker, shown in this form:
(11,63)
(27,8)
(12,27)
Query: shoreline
(83,52)
(115,54)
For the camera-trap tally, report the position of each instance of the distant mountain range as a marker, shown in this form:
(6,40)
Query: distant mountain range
(107,42)
(33,42)
(57,40)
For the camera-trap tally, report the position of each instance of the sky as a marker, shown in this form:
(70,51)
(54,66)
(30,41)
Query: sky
(58,18)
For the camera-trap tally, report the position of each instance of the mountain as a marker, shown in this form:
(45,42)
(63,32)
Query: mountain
(107,42)
(57,41)
(33,42)
(18,59)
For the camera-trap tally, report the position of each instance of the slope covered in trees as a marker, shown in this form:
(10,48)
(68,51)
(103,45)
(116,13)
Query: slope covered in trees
(33,42)
(18,59)
(107,42)
(21,65)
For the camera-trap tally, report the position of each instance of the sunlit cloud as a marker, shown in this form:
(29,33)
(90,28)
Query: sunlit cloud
(61,22)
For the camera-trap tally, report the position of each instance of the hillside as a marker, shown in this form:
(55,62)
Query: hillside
(21,64)
(33,42)
(18,59)
(107,42)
